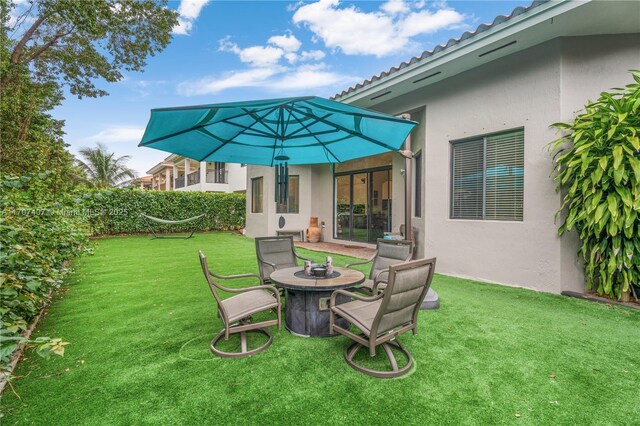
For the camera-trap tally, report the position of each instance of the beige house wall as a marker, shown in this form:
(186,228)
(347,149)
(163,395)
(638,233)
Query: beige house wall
(529,89)
(266,223)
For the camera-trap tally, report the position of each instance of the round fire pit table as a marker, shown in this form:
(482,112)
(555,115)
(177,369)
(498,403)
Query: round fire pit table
(307,298)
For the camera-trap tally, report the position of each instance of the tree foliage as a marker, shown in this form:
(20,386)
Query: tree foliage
(53,45)
(103,169)
(31,138)
(75,42)
(597,164)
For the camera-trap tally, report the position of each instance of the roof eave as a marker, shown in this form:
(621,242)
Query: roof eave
(467,47)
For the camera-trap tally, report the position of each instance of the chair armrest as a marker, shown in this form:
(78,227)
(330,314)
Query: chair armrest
(374,290)
(273,265)
(351,294)
(296,254)
(363,262)
(377,278)
(231,277)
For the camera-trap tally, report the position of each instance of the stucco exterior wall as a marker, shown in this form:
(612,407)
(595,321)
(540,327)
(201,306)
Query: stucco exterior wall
(530,89)
(266,223)
(237,177)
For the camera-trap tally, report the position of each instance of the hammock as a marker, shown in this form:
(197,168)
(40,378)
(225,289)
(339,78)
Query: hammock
(146,218)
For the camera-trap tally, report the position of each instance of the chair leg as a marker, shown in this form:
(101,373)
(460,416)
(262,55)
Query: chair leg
(244,351)
(279,317)
(351,351)
(243,342)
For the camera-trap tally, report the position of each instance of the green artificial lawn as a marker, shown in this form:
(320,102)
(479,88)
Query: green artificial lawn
(139,317)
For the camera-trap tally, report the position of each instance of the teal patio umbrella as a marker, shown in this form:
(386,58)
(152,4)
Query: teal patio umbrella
(278,132)
(302,130)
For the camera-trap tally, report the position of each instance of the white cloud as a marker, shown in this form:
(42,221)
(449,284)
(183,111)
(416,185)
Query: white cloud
(307,55)
(425,22)
(260,55)
(289,80)
(278,65)
(118,134)
(309,79)
(189,11)
(234,79)
(287,42)
(264,56)
(378,33)
(257,56)
(312,55)
(395,7)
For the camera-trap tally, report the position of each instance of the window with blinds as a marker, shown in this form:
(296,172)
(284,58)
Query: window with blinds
(488,177)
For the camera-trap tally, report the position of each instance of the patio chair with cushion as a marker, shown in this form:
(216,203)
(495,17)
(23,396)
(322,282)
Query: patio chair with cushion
(388,252)
(383,317)
(276,253)
(236,311)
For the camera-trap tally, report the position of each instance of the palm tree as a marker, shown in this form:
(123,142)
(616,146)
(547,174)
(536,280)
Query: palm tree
(103,168)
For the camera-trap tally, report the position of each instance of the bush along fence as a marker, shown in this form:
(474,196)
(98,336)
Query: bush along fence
(117,211)
(36,244)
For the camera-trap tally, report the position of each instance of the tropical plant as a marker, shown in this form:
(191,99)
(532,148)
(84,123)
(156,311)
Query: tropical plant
(597,167)
(103,168)
(37,239)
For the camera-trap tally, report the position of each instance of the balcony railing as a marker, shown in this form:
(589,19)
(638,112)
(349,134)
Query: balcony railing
(193,178)
(178,182)
(218,176)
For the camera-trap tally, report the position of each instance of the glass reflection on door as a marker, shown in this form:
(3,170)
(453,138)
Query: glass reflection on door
(363,205)
(343,207)
(381,196)
(360,206)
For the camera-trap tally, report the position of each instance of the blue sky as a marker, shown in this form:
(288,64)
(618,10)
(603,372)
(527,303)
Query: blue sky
(240,50)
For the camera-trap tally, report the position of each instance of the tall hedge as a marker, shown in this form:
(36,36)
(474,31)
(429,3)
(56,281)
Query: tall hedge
(117,211)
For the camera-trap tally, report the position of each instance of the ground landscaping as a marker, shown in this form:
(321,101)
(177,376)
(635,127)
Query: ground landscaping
(139,318)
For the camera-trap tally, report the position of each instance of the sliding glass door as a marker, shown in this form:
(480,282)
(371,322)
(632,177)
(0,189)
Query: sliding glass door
(363,205)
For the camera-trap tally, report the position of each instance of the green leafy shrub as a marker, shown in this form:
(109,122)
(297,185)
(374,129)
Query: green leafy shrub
(117,211)
(37,240)
(597,165)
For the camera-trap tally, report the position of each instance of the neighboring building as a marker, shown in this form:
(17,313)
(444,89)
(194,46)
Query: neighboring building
(161,176)
(483,199)
(184,174)
(144,182)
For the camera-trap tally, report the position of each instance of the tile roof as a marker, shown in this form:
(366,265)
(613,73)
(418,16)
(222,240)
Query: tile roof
(452,42)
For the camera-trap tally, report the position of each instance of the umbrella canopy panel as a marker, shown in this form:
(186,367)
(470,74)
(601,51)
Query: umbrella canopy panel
(307,130)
